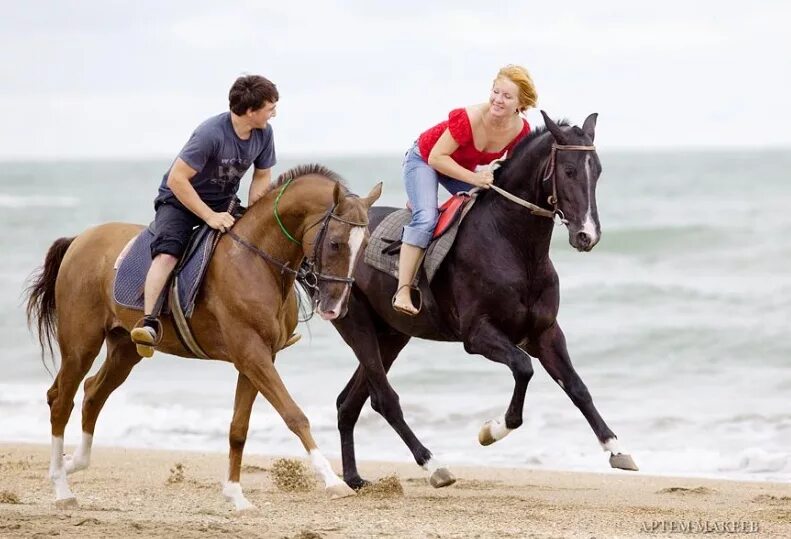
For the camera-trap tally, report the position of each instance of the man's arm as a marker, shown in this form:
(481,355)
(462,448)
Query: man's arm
(261,179)
(179,182)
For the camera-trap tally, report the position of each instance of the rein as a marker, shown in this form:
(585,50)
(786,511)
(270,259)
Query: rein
(550,172)
(309,272)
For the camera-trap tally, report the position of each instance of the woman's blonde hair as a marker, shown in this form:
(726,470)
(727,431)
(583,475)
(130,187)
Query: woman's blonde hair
(527,90)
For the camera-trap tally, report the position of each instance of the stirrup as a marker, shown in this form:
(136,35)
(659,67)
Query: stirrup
(146,338)
(401,309)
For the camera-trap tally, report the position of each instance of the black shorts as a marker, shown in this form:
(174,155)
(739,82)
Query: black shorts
(173,226)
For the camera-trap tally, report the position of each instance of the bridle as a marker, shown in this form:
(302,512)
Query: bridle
(550,173)
(309,272)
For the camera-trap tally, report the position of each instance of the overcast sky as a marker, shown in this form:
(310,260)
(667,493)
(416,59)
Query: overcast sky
(103,78)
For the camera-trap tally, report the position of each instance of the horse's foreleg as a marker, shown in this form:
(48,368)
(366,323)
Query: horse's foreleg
(242,407)
(554,356)
(490,342)
(260,369)
(351,401)
(122,356)
(375,354)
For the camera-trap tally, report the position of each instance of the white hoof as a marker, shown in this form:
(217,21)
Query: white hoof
(233,493)
(493,430)
(67,503)
(341,490)
(246,507)
(72,463)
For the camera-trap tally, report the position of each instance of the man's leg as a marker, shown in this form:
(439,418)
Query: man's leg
(173,225)
(159,272)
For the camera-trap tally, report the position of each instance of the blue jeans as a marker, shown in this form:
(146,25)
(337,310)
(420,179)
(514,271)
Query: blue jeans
(421,187)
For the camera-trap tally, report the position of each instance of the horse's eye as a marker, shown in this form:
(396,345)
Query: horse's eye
(570,171)
(335,245)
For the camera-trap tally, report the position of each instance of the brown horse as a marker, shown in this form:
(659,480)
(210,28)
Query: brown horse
(245,314)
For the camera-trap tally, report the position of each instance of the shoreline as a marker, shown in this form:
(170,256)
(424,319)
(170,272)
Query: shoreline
(144,492)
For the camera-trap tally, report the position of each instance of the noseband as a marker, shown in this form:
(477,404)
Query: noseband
(550,173)
(309,272)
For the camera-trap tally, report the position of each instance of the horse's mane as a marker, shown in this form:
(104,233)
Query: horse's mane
(525,142)
(303,170)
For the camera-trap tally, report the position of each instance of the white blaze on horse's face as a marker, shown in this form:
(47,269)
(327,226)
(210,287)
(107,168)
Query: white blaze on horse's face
(331,307)
(589,227)
(577,174)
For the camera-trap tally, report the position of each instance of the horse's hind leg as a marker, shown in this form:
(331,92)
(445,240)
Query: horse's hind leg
(242,407)
(254,359)
(122,356)
(79,346)
(554,357)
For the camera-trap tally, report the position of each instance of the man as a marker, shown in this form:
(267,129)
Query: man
(202,182)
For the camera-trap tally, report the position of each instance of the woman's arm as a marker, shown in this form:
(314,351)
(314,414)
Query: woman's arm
(440,160)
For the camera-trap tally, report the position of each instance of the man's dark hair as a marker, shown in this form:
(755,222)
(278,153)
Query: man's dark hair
(251,92)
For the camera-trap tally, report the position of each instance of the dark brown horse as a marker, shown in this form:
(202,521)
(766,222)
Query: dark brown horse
(497,292)
(245,314)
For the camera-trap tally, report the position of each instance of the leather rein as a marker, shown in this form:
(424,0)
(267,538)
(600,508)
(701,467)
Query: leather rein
(309,272)
(550,173)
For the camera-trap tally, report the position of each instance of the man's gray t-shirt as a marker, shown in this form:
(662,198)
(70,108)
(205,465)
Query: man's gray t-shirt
(221,159)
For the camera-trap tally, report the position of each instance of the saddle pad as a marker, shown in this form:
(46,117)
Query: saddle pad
(131,274)
(390,230)
(448,212)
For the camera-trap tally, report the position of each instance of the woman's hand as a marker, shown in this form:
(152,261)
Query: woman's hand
(482,178)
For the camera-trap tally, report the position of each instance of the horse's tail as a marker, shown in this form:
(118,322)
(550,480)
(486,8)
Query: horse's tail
(41,295)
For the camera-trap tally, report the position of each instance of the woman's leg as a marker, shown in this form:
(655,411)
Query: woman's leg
(421,187)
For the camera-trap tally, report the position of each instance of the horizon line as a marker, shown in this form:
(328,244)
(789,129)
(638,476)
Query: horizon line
(387,153)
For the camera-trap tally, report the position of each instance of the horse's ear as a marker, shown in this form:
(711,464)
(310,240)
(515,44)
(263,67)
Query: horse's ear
(337,194)
(556,131)
(590,125)
(373,196)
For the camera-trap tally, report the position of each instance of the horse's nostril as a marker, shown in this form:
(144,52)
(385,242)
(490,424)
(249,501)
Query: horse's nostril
(583,238)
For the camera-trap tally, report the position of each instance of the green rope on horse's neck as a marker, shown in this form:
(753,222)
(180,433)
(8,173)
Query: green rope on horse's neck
(277,215)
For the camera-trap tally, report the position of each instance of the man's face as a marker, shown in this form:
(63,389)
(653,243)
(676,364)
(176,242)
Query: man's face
(259,118)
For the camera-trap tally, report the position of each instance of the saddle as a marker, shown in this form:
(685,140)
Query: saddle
(385,242)
(179,296)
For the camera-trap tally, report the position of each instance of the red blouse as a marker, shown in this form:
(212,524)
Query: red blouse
(466,155)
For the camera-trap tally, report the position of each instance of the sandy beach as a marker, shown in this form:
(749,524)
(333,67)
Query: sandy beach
(148,493)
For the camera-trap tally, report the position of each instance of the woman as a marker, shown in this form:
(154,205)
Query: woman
(448,154)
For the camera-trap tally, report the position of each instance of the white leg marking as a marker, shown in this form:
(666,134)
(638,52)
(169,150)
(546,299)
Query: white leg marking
(356,237)
(57,472)
(612,446)
(82,457)
(432,464)
(323,469)
(233,493)
(588,226)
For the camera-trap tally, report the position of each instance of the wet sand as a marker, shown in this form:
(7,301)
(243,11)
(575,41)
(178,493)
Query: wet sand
(146,493)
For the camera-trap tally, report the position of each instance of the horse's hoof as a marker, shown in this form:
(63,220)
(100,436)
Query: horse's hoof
(248,509)
(622,461)
(67,503)
(71,464)
(357,483)
(144,351)
(442,477)
(341,490)
(485,434)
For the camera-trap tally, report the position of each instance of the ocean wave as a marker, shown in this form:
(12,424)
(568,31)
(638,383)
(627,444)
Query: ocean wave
(36,201)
